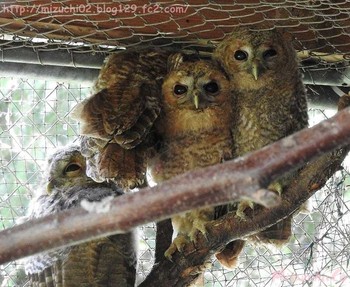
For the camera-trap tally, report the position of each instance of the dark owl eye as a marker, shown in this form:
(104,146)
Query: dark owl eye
(180,90)
(269,53)
(211,87)
(72,167)
(241,55)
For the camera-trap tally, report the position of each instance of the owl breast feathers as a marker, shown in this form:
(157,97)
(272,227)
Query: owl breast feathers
(109,261)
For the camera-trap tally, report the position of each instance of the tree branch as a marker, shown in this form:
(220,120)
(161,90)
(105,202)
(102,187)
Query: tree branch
(229,228)
(230,181)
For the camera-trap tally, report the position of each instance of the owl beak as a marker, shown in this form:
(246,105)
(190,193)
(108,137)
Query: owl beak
(50,186)
(196,101)
(255,71)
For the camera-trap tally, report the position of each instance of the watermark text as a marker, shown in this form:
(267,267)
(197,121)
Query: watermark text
(93,9)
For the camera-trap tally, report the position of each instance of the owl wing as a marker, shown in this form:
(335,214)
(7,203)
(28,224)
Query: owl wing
(102,262)
(281,232)
(116,121)
(121,264)
(109,261)
(126,102)
(85,264)
(298,109)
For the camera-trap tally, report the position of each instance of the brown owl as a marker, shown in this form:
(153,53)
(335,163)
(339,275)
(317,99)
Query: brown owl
(109,261)
(116,119)
(268,96)
(195,131)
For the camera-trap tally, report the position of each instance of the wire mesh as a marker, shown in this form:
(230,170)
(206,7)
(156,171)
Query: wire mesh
(320,28)
(34,119)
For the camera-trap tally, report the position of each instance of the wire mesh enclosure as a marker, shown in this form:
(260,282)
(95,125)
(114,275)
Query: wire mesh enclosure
(51,52)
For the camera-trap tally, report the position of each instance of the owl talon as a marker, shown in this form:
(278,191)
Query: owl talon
(198,226)
(276,187)
(242,206)
(168,254)
(177,245)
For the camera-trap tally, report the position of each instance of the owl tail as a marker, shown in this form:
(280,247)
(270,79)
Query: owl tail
(277,234)
(199,282)
(229,256)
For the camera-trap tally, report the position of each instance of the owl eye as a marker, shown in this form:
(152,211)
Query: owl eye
(241,55)
(180,89)
(211,87)
(72,167)
(269,53)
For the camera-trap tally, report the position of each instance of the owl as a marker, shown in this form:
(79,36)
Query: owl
(269,99)
(194,131)
(116,120)
(109,261)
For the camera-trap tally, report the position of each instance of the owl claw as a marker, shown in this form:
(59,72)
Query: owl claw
(198,226)
(242,206)
(181,240)
(276,187)
(168,254)
(178,244)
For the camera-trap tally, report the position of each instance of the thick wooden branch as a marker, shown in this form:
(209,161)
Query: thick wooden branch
(230,181)
(222,231)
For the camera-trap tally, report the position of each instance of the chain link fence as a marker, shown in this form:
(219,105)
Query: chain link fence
(57,48)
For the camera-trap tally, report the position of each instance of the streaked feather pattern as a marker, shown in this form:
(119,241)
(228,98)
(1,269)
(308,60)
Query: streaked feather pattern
(109,261)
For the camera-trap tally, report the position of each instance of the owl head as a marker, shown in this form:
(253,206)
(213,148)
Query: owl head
(66,167)
(249,55)
(194,84)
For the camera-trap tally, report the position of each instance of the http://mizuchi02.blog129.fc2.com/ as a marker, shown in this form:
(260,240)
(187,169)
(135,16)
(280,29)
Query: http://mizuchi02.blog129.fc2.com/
(111,9)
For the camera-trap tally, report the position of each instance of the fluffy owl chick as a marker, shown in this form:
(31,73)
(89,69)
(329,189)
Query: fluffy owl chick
(269,95)
(269,98)
(120,113)
(109,261)
(195,131)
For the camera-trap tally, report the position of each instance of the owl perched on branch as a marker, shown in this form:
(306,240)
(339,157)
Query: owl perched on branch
(195,131)
(116,119)
(268,97)
(109,261)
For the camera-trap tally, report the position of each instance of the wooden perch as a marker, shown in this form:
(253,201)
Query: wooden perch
(231,181)
(229,228)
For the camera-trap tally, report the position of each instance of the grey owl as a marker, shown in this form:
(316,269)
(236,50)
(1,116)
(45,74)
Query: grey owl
(109,261)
